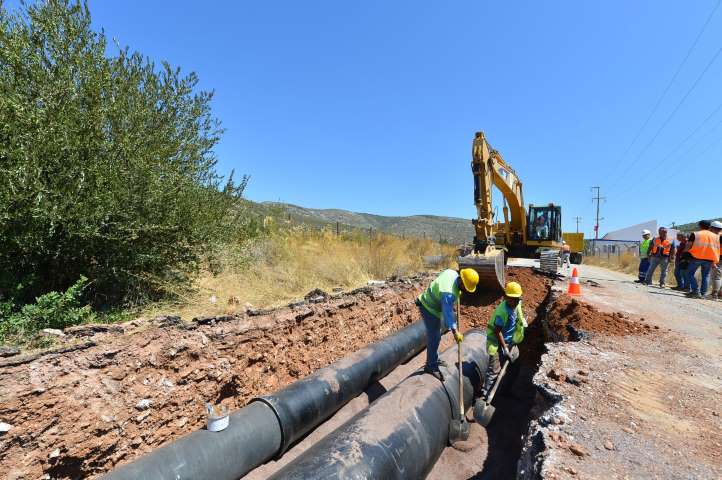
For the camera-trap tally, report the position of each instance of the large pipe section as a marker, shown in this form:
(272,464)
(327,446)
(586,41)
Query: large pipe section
(268,425)
(402,434)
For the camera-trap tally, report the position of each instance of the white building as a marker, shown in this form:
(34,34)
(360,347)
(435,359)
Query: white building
(627,239)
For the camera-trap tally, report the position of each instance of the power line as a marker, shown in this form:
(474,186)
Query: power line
(669,117)
(659,164)
(687,164)
(674,77)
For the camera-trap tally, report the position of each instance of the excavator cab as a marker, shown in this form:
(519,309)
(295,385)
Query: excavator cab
(544,223)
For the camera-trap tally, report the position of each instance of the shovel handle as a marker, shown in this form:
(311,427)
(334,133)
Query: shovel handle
(498,381)
(461,375)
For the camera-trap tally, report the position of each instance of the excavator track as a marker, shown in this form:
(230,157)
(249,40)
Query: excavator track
(490,267)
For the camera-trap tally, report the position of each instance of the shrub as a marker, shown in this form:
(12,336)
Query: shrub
(52,310)
(107,163)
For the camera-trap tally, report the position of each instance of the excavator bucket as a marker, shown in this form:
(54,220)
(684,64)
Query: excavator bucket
(490,267)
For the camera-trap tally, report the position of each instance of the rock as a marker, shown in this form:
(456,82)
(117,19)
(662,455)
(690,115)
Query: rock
(316,296)
(168,321)
(38,390)
(556,374)
(91,329)
(609,445)
(233,300)
(144,404)
(107,418)
(136,441)
(715,413)
(578,450)
(628,430)
(571,470)
(8,351)
(51,332)
(5,428)
(142,416)
(213,299)
(182,422)
(55,453)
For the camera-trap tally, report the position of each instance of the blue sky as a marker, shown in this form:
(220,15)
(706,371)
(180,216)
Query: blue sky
(371,106)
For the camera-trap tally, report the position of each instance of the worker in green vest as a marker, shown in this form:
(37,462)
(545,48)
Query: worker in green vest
(438,301)
(644,255)
(504,332)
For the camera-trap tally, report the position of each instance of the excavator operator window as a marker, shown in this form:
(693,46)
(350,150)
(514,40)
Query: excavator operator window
(544,223)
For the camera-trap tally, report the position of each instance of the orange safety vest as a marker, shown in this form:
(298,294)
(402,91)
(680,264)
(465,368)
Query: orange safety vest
(705,246)
(666,246)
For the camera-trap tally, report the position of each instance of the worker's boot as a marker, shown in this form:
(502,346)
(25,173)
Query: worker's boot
(435,371)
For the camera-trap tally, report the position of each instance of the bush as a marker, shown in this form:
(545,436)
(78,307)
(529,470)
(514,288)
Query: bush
(107,163)
(52,310)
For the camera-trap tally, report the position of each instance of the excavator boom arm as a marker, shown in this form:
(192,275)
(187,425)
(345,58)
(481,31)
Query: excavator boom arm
(489,169)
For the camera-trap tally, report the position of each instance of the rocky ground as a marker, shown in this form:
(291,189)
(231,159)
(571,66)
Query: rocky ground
(622,383)
(111,394)
(634,406)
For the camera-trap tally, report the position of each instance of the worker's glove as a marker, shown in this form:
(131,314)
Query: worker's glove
(514,354)
(459,337)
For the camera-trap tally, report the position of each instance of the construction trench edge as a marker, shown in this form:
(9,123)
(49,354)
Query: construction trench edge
(49,371)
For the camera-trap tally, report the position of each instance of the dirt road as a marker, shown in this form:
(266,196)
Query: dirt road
(633,407)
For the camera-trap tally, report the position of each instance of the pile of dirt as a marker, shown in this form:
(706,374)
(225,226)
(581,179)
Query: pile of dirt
(571,319)
(476,310)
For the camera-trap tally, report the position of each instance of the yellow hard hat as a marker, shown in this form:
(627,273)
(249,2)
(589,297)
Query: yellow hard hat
(513,290)
(470,279)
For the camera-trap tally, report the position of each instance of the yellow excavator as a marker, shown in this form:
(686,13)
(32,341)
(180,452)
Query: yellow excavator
(532,233)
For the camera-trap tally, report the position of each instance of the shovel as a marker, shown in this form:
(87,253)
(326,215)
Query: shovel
(484,411)
(459,427)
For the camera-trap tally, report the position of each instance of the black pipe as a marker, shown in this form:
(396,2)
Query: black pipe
(267,426)
(304,404)
(402,434)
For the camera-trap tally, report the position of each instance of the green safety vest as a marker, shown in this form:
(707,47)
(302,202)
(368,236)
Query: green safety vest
(644,248)
(444,283)
(492,344)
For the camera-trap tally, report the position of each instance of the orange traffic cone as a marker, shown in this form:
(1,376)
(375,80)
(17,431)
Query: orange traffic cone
(574,287)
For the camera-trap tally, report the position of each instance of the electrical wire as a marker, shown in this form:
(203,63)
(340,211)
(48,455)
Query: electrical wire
(671,80)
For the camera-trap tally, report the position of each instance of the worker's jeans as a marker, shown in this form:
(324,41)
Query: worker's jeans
(492,373)
(643,267)
(692,269)
(433,338)
(565,259)
(655,262)
(681,275)
(716,280)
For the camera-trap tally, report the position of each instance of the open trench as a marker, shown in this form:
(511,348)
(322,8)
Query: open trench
(75,412)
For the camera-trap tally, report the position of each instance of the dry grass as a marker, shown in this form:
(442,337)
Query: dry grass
(625,263)
(628,263)
(286,265)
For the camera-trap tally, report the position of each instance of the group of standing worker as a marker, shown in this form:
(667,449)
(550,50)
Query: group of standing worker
(504,331)
(697,251)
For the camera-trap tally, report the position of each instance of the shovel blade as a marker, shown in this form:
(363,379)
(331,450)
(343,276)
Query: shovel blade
(458,431)
(483,413)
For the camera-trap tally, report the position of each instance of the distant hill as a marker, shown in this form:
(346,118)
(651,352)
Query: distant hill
(691,227)
(449,229)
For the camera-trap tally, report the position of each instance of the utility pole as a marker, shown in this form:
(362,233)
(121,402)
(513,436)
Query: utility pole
(578,219)
(598,199)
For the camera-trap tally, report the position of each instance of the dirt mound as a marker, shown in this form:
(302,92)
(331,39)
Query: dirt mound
(476,310)
(570,319)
